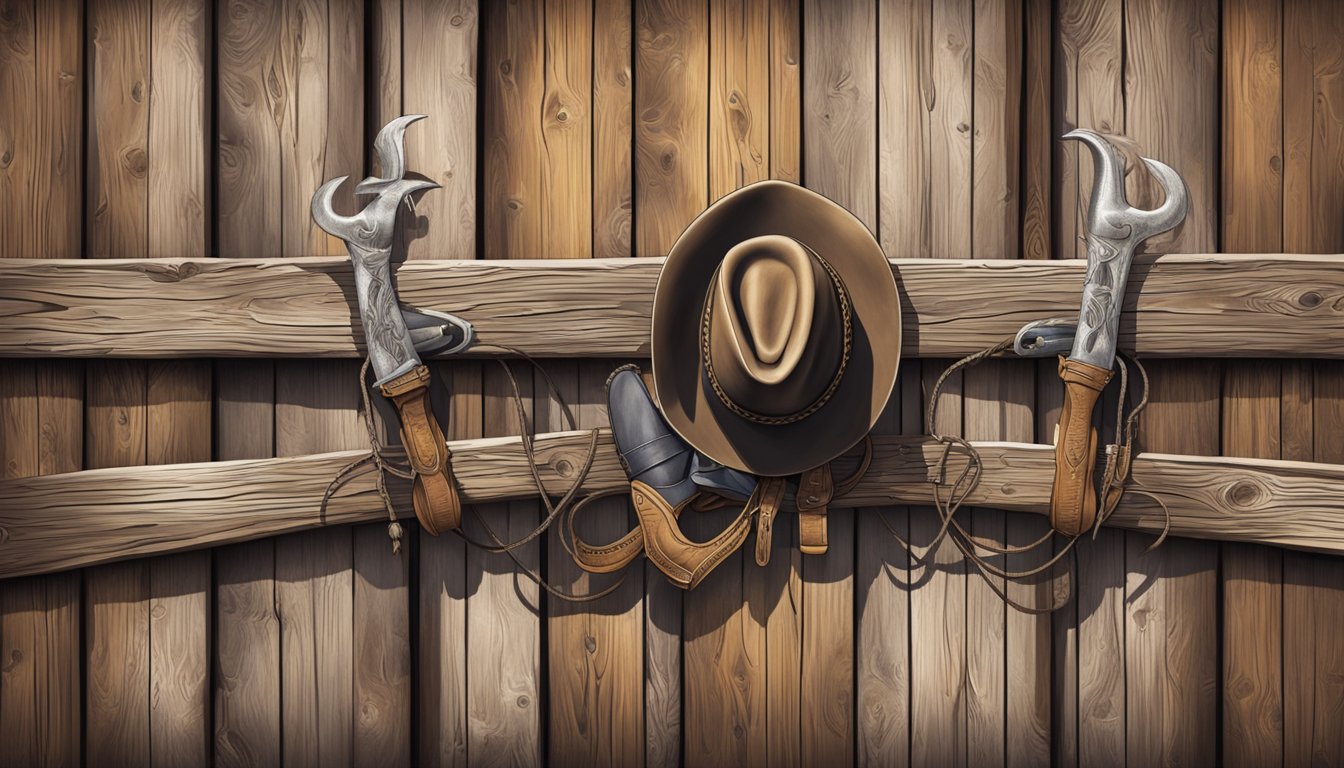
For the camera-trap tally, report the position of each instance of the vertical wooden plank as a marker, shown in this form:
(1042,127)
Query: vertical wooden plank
(178,422)
(538,199)
(441,39)
(316,410)
(613,127)
(1252,220)
(1089,666)
(382,595)
(595,707)
(504,632)
(41,403)
(926,116)
(382,648)
(247,629)
(725,646)
(178,392)
(1038,130)
(1088,94)
(117,611)
(840,161)
(117,713)
(1171,75)
(246,218)
(442,658)
(884,608)
(671,187)
(245,215)
(998,399)
(671,120)
(1313,395)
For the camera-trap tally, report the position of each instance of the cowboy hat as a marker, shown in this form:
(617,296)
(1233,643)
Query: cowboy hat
(776,331)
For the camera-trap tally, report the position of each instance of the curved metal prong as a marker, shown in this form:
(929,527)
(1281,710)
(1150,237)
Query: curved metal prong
(372,227)
(324,212)
(390,146)
(1172,211)
(1109,213)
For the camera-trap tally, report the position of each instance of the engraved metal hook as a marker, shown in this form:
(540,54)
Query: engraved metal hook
(1109,214)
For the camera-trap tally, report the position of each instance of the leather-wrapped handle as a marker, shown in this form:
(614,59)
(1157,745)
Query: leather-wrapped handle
(1073,499)
(434,494)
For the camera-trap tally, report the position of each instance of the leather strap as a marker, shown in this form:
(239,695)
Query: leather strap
(770,497)
(1073,499)
(434,494)
(815,490)
(685,562)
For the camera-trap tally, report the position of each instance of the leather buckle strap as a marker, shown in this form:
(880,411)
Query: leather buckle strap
(769,498)
(815,489)
(434,494)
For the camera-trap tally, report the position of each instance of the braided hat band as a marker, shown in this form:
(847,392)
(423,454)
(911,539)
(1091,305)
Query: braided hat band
(706,361)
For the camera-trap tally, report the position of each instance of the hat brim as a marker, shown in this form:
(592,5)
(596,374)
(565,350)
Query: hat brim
(691,407)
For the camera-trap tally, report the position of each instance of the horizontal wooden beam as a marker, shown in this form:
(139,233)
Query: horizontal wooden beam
(1178,305)
(64,521)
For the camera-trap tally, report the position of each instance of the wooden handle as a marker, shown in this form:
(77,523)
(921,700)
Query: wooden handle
(434,495)
(1073,499)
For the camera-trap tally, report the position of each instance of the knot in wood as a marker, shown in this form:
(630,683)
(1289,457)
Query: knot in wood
(563,467)
(1246,494)
(1310,299)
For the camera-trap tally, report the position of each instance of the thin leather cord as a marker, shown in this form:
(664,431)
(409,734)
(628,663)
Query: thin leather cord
(968,479)
(380,464)
(376,461)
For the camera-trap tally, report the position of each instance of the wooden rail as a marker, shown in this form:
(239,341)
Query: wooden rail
(64,521)
(1178,305)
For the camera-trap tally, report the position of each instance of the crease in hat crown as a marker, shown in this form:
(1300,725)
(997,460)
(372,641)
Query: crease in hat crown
(776,330)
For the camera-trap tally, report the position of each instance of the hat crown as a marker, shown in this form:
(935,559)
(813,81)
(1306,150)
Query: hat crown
(775,330)
(768,284)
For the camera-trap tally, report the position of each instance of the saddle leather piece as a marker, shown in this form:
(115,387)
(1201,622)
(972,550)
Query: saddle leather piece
(686,563)
(770,500)
(1073,499)
(816,487)
(434,494)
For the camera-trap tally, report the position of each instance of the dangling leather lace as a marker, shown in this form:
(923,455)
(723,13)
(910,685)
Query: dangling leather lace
(382,466)
(946,503)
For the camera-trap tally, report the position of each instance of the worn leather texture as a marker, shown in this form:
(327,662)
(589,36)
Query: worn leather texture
(816,487)
(1073,498)
(434,494)
(685,562)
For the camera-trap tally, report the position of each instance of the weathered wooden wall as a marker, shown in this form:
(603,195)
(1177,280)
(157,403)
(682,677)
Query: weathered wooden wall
(131,128)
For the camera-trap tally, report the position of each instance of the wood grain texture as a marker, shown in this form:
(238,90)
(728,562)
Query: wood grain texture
(441,661)
(301,307)
(1252,219)
(1171,101)
(527,90)
(1089,696)
(1089,93)
(316,408)
(41,402)
(1281,503)
(671,120)
(724,661)
(840,147)
(245,214)
(1313,587)
(441,37)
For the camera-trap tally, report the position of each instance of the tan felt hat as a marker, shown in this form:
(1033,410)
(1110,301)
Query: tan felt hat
(776,331)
